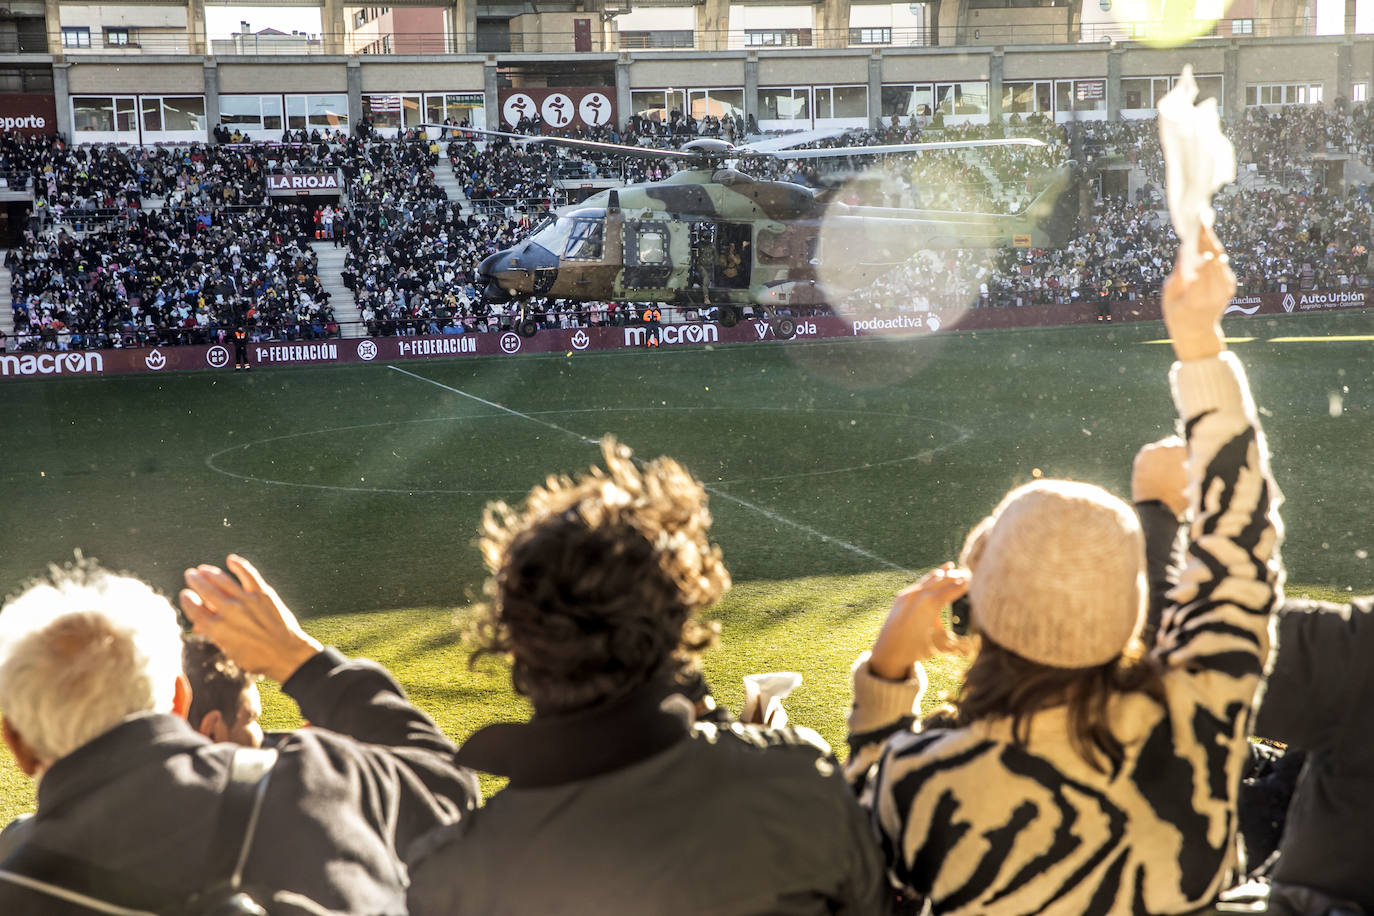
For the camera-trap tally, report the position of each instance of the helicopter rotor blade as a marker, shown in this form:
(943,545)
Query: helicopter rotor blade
(642,152)
(843,151)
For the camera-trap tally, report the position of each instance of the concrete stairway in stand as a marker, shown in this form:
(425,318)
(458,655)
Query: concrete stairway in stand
(444,178)
(6,313)
(340,299)
(1357,172)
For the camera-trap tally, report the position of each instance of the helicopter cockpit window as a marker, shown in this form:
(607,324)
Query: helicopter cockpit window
(553,235)
(585,242)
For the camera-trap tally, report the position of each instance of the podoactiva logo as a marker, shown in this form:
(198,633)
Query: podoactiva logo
(580,341)
(510,342)
(51,364)
(367,350)
(155,360)
(217,357)
(674,334)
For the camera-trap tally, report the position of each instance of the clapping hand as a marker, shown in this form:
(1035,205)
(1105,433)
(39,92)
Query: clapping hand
(246,618)
(1160,473)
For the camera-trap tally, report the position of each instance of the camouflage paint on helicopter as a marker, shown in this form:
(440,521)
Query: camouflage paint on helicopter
(719,237)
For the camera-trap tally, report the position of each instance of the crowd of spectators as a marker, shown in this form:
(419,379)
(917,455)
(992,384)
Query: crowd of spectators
(111,214)
(1280,240)
(162,277)
(1285,230)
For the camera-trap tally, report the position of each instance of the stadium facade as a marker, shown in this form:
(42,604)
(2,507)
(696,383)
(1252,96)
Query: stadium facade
(140,73)
(180,98)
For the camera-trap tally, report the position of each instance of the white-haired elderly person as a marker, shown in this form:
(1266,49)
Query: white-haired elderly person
(130,796)
(1076,770)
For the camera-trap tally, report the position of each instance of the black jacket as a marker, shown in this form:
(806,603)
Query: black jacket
(1317,699)
(141,800)
(630,809)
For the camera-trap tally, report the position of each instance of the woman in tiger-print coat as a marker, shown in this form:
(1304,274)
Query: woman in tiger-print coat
(1074,773)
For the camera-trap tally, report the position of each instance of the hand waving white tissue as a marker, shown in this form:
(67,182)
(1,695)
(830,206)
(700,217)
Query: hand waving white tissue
(1198,161)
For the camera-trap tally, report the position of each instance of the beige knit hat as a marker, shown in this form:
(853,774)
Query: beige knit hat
(1058,574)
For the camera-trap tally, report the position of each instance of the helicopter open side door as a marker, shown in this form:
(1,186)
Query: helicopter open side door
(734,256)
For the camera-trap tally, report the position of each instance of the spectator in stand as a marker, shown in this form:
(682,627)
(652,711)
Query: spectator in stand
(618,801)
(1073,773)
(94,702)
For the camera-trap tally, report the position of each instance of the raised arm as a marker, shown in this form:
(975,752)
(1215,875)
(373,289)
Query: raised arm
(889,681)
(1305,699)
(396,742)
(1216,627)
(1159,493)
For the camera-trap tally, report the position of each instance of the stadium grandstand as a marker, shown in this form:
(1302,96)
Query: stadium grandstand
(181,244)
(344,216)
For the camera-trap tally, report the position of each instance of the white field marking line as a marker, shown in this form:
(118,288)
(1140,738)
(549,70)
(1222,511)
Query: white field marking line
(766,513)
(820,535)
(210,463)
(494,405)
(925,454)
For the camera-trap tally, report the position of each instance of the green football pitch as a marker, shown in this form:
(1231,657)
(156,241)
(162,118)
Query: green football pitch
(836,469)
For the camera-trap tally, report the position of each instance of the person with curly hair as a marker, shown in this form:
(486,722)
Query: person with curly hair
(620,799)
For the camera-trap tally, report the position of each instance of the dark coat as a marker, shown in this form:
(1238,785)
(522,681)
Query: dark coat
(630,809)
(1318,699)
(142,799)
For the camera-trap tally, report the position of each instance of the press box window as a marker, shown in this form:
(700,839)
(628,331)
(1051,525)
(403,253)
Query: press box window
(874,36)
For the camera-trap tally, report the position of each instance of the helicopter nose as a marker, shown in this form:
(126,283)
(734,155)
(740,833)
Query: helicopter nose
(486,273)
(492,263)
(522,271)
(500,276)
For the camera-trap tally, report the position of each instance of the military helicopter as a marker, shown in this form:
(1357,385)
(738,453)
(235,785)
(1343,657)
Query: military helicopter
(711,236)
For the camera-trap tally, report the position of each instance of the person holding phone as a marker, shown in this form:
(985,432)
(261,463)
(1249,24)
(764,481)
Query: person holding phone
(1075,772)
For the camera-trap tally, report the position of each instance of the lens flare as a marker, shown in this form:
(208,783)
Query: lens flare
(1166,23)
(911,245)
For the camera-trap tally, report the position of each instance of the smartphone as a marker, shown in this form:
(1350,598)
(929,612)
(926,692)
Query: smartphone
(960,616)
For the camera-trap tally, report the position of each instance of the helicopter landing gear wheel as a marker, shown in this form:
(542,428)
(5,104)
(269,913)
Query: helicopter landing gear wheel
(729,316)
(527,327)
(784,328)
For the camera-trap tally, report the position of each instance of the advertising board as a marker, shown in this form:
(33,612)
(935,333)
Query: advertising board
(570,341)
(29,113)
